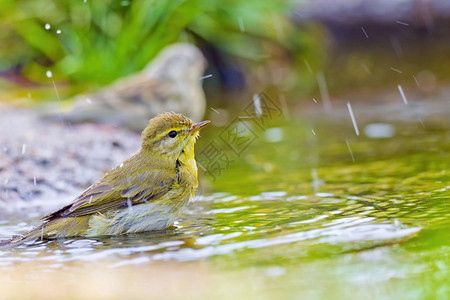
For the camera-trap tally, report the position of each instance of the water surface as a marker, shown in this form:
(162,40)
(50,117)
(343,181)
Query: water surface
(308,209)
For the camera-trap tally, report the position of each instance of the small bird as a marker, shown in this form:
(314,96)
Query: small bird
(146,192)
(170,82)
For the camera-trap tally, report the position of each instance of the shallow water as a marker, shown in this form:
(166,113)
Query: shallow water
(306,209)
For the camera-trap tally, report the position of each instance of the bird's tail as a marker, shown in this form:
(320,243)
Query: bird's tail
(18,240)
(62,227)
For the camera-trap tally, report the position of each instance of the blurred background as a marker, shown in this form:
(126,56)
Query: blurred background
(286,46)
(338,188)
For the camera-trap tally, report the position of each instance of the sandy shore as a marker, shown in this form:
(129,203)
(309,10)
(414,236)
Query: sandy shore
(43,160)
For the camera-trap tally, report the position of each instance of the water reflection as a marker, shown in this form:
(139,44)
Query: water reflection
(222,224)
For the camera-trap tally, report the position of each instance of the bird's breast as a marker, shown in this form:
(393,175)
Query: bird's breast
(187,174)
(140,218)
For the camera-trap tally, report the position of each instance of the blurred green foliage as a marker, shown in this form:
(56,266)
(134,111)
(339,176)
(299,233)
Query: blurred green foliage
(95,42)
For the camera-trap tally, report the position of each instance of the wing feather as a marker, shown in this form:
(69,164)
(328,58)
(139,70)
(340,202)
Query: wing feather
(101,197)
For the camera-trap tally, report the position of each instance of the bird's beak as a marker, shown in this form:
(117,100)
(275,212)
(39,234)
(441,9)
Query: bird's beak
(199,126)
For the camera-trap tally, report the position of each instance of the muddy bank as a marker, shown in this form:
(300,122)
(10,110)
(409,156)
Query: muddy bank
(46,161)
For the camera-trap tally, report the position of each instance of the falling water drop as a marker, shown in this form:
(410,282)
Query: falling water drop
(349,106)
(400,89)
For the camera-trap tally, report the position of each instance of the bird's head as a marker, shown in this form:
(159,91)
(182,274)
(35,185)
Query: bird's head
(172,135)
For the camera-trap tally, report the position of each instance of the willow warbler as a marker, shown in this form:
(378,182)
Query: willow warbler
(146,192)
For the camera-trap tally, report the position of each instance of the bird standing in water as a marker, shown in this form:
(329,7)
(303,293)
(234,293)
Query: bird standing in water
(146,192)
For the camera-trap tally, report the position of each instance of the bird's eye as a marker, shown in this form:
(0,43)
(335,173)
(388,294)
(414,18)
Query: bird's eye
(172,134)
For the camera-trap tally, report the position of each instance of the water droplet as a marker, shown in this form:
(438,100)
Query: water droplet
(400,89)
(365,33)
(323,88)
(402,23)
(206,76)
(257,104)
(350,150)
(350,110)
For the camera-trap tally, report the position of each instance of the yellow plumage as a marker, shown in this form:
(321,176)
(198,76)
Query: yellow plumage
(146,192)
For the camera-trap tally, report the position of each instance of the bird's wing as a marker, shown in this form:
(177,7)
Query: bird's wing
(101,197)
